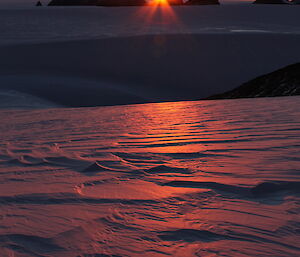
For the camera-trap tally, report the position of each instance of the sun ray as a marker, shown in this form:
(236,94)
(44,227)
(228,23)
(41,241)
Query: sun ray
(159,12)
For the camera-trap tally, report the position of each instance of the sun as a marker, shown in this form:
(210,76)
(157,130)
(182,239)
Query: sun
(159,2)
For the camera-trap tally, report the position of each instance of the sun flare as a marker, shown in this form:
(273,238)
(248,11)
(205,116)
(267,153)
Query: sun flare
(159,2)
(159,12)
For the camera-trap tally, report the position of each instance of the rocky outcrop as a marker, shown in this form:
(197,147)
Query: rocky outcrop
(283,82)
(277,2)
(269,2)
(72,2)
(38,3)
(121,3)
(144,2)
(97,2)
(201,2)
(175,2)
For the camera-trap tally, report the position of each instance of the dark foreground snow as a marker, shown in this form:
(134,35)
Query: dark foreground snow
(109,56)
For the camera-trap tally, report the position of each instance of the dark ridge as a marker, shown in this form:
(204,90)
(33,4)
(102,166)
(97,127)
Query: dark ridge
(282,82)
(273,187)
(269,2)
(38,3)
(36,243)
(202,2)
(276,2)
(99,255)
(193,2)
(72,2)
(175,2)
(167,169)
(210,185)
(260,190)
(112,3)
(46,199)
(96,167)
(194,235)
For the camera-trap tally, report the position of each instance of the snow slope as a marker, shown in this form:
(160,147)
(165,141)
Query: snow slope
(138,69)
(100,56)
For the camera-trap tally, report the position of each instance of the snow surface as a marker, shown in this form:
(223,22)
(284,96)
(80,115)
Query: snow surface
(164,179)
(206,178)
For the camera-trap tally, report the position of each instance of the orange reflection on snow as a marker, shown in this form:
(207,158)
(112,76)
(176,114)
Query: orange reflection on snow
(133,189)
(168,129)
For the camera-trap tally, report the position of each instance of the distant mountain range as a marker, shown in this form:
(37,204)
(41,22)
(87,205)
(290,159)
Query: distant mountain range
(126,2)
(72,2)
(144,2)
(282,82)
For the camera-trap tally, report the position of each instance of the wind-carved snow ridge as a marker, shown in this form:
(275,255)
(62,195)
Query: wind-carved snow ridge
(15,99)
(164,179)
